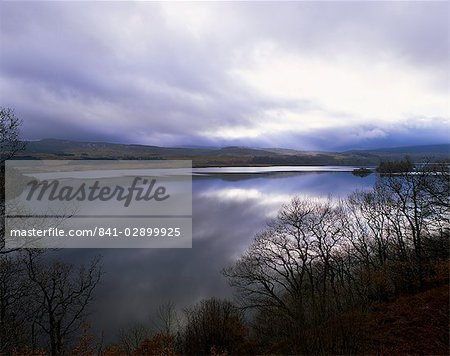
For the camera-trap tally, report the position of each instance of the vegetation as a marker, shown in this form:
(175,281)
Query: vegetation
(366,274)
(363,275)
(43,305)
(227,156)
(214,325)
(394,167)
(10,142)
(314,273)
(10,145)
(362,172)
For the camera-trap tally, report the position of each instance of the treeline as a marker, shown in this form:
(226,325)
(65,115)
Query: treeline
(43,303)
(392,167)
(312,274)
(316,159)
(306,284)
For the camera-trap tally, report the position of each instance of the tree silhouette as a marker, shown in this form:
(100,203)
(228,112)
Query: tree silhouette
(10,144)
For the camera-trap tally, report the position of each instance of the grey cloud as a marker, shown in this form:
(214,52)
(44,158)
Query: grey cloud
(417,131)
(119,71)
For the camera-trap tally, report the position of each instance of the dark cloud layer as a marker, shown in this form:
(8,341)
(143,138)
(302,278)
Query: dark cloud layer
(184,74)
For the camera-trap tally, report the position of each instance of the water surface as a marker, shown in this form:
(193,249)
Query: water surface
(228,209)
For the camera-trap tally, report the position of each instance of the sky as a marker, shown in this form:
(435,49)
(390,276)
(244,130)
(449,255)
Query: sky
(302,75)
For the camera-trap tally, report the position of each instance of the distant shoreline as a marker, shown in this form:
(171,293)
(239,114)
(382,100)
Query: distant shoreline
(228,156)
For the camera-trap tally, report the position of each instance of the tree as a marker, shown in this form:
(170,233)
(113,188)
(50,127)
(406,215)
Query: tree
(414,209)
(14,288)
(322,260)
(87,345)
(392,167)
(62,297)
(213,324)
(158,344)
(131,337)
(289,266)
(167,318)
(10,144)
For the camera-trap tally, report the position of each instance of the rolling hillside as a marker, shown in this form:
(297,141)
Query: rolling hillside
(226,156)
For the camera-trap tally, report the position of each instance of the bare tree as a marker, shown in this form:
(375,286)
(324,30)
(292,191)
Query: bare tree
(14,288)
(132,336)
(10,144)
(290,266)
(213,325)
(62,297)
(414,213)
(167,318)
(319,258)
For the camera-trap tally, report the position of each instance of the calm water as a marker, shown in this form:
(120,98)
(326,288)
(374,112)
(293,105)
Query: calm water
(228,209)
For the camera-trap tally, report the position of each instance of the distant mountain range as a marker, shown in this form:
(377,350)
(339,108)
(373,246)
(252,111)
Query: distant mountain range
(227,156)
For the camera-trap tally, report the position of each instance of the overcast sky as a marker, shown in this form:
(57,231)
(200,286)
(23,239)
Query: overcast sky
(299,75)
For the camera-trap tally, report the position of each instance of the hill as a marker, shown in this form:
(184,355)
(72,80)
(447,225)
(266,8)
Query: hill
(414,324)
(226,156)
